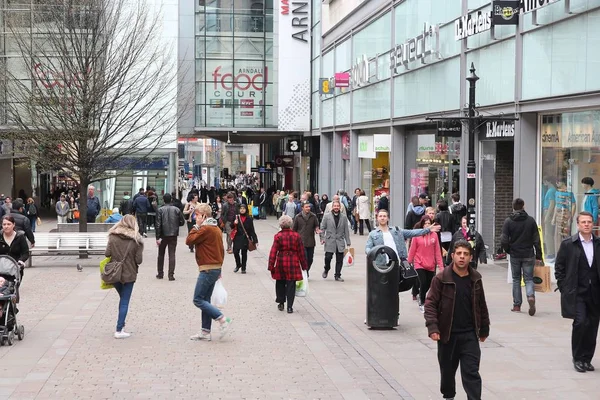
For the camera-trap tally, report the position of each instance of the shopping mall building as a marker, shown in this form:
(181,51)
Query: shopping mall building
(245,71)
(409,60)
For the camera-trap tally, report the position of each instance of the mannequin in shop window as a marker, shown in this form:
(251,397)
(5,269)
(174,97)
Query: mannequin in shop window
(590,202)
(548,215)
(565,208)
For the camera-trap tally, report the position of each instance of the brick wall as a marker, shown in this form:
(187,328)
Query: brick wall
(504,187)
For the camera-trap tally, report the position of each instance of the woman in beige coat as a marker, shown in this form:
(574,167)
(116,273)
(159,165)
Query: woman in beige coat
(363,206)
(125,245)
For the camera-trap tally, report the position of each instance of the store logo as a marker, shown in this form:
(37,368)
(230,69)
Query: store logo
(499,129)
(299,22)
(416,48)
(247,79)
(472,24)
(550,137)
(506,12)
(50,79)
(532,5)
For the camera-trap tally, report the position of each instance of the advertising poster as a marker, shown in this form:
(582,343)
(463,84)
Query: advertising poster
(240,90)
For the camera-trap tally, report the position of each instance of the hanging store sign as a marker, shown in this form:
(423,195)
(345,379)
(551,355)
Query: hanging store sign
(342,79)
(472,24)
(532,5)
(499,129)
(366,146)
(451,128)
(325,86)
(505,12)
(382,143)
(417,48)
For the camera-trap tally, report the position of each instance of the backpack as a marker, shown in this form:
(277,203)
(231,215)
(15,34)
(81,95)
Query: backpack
(282,205)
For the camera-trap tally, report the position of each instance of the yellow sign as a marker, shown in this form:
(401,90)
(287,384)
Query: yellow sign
(325,86)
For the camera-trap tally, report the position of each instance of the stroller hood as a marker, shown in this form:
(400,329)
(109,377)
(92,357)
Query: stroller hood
(8,266)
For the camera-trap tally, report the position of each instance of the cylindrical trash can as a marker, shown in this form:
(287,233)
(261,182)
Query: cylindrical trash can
(383,277)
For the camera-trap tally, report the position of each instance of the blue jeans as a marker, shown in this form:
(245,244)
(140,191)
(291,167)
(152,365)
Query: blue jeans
(124,290)
(204,288)
(526,266)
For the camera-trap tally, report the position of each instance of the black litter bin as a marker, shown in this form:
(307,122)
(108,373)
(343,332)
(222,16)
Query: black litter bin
(382,288)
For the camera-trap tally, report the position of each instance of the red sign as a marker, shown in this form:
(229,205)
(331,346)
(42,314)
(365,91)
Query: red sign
(342,79)
(248,78)
(50,79)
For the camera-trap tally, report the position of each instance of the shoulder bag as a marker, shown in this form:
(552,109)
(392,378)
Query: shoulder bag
(251,245)
(407,270)
(114,269)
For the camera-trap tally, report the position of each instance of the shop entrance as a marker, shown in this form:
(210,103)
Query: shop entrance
(495,190)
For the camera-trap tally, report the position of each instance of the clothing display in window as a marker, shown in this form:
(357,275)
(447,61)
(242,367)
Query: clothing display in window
(564,203)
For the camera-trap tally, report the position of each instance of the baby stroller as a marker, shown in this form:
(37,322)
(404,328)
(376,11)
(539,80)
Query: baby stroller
(9,297)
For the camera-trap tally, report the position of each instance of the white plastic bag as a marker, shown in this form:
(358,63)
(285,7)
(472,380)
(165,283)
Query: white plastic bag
(219,295)
(348,260)
(302,286)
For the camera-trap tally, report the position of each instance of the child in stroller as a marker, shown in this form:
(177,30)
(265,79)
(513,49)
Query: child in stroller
(10,280)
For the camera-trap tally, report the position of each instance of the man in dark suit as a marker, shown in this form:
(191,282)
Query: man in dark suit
(577,272)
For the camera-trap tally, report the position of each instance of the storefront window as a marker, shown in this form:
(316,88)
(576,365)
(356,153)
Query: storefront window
(570,164)
(234,63)
(437,168)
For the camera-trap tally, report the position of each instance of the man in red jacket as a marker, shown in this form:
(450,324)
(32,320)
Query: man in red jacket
(456,317)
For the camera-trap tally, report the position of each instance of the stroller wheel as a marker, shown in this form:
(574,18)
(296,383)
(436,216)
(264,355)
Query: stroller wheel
(20,332)
(11,338)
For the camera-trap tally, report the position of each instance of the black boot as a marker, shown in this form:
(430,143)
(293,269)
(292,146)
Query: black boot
(237,268)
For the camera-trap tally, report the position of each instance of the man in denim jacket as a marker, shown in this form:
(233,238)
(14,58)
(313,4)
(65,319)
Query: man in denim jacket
(393,237)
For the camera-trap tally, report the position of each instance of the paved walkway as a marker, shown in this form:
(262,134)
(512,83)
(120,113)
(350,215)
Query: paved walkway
(322,351)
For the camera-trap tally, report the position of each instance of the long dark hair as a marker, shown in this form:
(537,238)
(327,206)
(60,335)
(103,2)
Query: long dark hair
(421,223)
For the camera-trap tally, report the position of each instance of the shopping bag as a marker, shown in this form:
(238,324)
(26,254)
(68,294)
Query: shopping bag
(255,211)
(348,259)
(541,279)
(349,249)
(302,286)
(219,295)
(104,285)
(38,221)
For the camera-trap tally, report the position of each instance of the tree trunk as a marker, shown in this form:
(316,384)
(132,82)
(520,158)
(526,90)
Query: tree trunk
(83,185)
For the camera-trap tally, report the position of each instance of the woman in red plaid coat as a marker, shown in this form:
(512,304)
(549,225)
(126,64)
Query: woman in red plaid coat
(286,260)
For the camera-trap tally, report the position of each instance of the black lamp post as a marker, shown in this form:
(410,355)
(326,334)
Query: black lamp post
(471,188)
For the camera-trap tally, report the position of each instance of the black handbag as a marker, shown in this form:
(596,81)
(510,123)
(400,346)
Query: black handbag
(407,270)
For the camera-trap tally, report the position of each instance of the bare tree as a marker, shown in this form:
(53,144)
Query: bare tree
(96,91)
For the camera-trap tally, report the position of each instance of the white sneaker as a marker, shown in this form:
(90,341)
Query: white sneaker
(422,309)
(122,335)
(201,336)
(225,327)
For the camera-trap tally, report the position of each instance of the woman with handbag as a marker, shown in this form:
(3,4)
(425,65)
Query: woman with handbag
(245,238)
(190,215)
(426,255)
(125,248)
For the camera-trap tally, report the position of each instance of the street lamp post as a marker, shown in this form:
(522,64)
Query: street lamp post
(471,171)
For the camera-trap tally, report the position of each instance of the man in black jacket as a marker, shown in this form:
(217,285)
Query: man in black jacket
(521,239)
(21,221)
(168,220)
(577,272)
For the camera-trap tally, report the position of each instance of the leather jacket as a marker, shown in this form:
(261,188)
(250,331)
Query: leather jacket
(22,224)
(439,306)
(168,220)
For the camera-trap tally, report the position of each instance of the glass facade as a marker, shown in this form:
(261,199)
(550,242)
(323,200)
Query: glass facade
(234,63)
(570,153)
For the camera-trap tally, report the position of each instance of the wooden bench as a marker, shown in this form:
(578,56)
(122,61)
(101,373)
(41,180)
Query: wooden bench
(68,244)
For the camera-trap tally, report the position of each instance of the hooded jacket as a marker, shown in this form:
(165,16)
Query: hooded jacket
(458,211)
(126,246)
(413,217)
(520,236)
